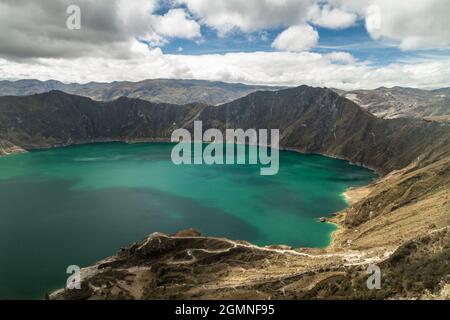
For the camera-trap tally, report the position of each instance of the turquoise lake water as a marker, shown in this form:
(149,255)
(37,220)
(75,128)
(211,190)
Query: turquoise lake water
(80,204)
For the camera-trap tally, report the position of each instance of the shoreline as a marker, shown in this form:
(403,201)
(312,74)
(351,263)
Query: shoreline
(351,195)
(168,140)
(354,195)
(375,170)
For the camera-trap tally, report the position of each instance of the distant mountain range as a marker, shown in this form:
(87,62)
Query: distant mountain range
(158,90)
(388,103)
(398,102)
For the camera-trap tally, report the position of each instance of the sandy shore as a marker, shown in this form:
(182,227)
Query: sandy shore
(354,195)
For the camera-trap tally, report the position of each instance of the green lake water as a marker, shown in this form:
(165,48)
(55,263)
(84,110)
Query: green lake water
(80,204)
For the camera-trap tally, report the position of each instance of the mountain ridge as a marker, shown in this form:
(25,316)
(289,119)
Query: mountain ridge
(402,102)
(176,91)
(311,120)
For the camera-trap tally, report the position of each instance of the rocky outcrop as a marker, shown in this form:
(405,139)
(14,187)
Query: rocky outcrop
(7,148)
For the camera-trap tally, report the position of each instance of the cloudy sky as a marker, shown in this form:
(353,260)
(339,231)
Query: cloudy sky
(335,43)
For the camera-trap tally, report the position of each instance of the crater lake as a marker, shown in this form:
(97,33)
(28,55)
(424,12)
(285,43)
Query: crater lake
(77,205)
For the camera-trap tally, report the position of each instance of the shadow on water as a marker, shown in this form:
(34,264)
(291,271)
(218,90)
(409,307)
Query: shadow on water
(47,226)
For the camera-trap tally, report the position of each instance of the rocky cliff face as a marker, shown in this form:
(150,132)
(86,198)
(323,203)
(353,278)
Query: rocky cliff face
(56,118)
(317,120)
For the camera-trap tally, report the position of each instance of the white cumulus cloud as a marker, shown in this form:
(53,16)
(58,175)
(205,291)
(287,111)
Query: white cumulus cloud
(297,38)
(176,23)
(338,70)
(37,29)
(248,15)
(333,18)
(412,24)
(35,43)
